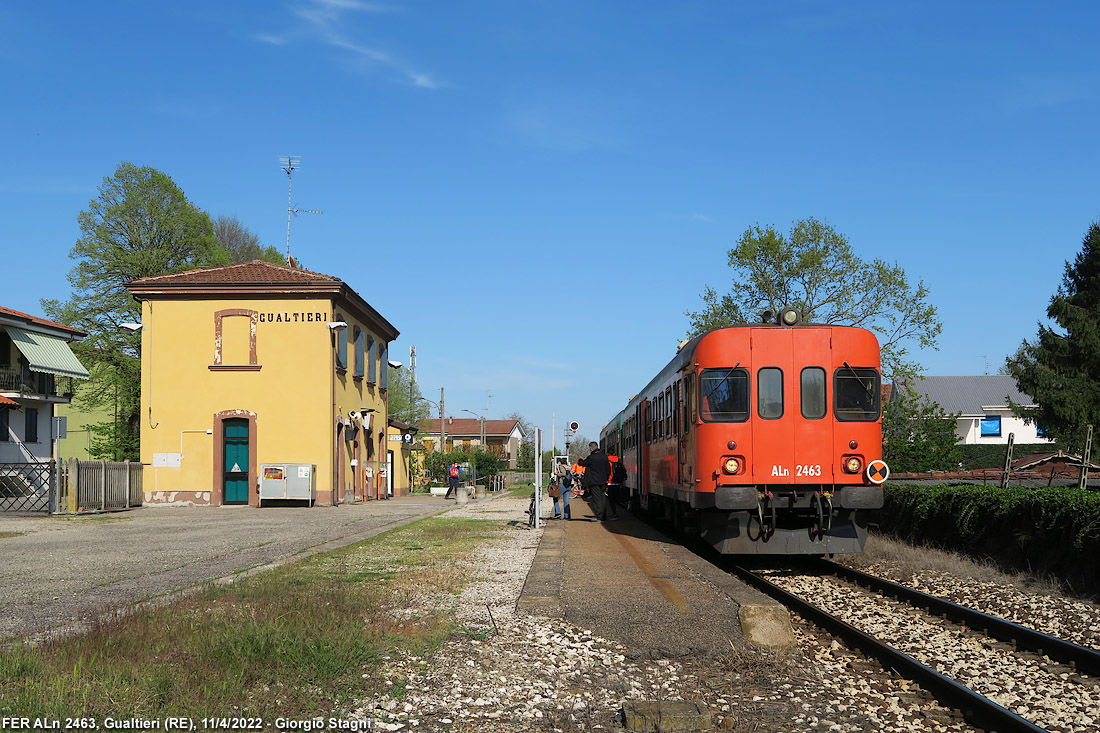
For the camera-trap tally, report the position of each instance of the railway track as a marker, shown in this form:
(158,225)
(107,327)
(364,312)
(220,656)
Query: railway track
(998,675)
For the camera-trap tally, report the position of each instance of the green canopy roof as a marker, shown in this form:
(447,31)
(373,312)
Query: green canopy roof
(47,353)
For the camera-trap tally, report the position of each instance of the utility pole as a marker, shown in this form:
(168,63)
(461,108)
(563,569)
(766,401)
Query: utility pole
(442,424)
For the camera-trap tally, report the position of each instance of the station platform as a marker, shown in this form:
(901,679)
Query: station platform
(626,581)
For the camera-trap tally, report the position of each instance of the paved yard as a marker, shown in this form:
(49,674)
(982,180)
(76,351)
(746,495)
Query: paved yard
(55,571)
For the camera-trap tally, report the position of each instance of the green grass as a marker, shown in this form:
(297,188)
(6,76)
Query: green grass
(4,535)
(298,641)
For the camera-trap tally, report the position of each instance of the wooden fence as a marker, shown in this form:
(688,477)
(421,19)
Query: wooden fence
(97,486)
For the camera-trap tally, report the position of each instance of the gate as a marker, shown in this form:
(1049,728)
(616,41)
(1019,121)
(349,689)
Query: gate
(28,487)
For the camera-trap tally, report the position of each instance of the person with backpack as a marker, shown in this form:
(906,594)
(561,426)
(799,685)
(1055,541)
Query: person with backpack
(452,480)
(564,478)
(615,485)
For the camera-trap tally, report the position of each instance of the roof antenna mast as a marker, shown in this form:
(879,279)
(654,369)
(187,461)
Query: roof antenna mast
(289,164)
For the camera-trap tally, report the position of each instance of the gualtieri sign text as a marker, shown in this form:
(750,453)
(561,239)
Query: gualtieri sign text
(293,317)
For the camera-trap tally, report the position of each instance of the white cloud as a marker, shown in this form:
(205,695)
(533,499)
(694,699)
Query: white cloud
(325,22)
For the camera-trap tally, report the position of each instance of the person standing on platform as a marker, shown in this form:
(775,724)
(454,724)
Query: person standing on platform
(452,480)
(597,470)
(615,485)
(564,478)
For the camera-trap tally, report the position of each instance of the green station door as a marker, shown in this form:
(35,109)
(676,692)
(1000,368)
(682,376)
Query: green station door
(236,461)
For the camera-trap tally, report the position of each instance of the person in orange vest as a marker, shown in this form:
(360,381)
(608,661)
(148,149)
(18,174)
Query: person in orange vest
(452,480)
(578,474)
(615,484)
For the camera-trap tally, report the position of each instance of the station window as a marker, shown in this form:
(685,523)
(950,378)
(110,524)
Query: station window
(991,426)
(384,366)
(341,345)
(769,393)
(813,393)
(360,352)
(372,363)
(856,394)
(724,395)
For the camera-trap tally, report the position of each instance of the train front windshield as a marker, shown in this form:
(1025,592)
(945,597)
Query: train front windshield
(724,395)
(857,394)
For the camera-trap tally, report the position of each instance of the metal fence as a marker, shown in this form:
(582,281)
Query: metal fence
(27,487)
(524,477)
(89,486)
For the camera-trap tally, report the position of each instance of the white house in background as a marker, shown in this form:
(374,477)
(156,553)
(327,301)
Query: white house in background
(36,371)
(983,405)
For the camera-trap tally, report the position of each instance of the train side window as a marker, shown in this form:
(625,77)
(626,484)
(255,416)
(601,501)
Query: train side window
(769,393)
(814,405)
(689,401)
(724,395)
(668,412)
(856,394)
(661,415)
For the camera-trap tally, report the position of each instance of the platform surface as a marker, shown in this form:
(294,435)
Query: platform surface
(627,582)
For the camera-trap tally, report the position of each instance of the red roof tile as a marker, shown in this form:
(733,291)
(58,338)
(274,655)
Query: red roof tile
(40,321)
(256,271)
(470,426)
(6,402)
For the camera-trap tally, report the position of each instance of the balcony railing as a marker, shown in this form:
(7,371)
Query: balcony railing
(26,382)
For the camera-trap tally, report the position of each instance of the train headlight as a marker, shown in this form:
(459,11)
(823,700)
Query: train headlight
(731,466)
(853,465)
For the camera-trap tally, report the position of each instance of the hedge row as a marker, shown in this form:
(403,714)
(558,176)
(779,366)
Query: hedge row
(1052,531)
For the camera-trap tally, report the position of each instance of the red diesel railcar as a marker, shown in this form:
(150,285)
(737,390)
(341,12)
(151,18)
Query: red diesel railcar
(763,438)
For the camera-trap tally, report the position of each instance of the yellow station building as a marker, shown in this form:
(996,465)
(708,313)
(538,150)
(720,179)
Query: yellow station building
(258,377)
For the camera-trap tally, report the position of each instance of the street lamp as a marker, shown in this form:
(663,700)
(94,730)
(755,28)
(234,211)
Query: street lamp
(481,445)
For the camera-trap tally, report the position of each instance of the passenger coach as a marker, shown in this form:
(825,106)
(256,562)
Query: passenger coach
(763,438)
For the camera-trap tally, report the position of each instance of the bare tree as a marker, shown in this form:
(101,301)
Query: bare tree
(241,244)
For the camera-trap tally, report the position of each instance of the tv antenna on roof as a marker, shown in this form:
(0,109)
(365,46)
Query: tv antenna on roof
(289,164)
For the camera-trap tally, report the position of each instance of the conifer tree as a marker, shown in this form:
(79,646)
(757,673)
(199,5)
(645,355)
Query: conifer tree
(1060,369)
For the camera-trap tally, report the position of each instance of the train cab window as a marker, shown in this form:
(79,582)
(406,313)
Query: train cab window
(856,394)
(769,393)
(724,395)
(813,393)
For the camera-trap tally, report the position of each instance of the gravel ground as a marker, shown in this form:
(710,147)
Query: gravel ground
(1031,685)
(519,673)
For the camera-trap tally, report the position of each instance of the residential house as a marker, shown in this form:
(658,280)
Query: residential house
(502,437)
(36,372)
(982,402)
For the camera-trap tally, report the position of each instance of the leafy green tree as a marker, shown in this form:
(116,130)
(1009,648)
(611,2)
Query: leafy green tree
(140,225)
(242,244)
(405,401)
(815,270)
(917,435)
(1060,369)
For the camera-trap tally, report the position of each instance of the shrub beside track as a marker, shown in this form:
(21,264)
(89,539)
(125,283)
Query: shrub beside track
(1053,531)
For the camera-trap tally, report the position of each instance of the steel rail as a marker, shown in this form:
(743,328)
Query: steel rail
(978,710)
(1083,659)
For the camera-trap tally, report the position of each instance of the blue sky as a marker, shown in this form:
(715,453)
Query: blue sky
(533,193)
